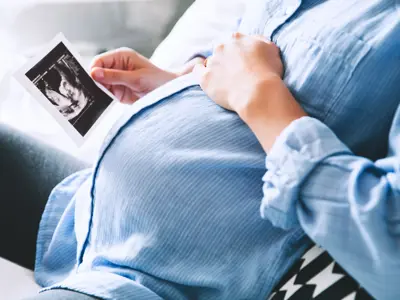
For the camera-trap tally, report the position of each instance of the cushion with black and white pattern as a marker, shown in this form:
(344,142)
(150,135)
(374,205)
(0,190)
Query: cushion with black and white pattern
(317,276)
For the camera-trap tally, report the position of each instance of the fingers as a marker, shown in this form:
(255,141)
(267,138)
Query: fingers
(271,45)
(118,91)
(110,58)
(237,35)
(199,70)
(222,45)
(104,60)
(202,73)
(124,95)
(240,38)
(121,58)
(219,48)
(122,84)
(188,68)
(263,39)
(114,77)
(97,74)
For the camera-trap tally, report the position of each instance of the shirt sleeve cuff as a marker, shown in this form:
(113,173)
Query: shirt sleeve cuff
(301,147)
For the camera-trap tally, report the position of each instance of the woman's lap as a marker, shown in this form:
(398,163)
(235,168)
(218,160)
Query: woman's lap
(29,170)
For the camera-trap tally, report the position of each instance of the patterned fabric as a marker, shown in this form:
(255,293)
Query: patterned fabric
(316,276)
(172,207)
(347,204)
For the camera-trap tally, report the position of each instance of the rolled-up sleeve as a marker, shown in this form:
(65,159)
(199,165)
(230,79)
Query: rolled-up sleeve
(347,204)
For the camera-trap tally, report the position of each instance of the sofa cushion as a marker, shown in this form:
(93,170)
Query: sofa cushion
(16,282)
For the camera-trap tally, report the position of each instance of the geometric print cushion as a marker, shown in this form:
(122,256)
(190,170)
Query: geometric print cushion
(317,276)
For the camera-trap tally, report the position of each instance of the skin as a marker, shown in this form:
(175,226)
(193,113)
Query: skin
(244,75)
(252,86)
(130,76)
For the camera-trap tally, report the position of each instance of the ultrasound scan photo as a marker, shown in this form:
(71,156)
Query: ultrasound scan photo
(72,97)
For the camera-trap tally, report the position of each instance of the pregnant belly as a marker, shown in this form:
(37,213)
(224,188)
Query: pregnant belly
(183,173)
(176,198)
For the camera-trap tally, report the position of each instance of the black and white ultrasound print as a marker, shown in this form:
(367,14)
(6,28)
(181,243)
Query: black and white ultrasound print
(69,88)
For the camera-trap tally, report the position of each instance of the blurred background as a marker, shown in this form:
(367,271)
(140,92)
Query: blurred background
(92,26)
(95,26)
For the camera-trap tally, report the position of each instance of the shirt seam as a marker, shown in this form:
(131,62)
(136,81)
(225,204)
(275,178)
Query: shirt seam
(97,166)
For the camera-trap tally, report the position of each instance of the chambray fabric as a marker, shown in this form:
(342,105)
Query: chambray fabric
(348,204)
(171,208)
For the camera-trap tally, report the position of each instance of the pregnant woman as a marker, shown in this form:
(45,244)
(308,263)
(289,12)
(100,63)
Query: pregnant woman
(182,202)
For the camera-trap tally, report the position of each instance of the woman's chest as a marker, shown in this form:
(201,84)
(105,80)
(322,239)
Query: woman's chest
(340,60)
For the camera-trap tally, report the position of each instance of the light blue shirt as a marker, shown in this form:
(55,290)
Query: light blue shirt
(172,206)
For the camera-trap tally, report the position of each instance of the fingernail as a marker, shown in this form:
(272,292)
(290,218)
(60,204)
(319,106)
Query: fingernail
(98,74)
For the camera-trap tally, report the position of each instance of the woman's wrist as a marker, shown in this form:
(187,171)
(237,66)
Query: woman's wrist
(269,109)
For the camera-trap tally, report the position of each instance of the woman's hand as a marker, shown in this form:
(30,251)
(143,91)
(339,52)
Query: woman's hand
(127,74)
(237,68)
(244,75)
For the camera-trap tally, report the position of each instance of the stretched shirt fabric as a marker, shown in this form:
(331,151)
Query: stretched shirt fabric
(172,206)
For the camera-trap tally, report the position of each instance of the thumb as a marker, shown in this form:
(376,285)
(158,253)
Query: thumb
(199,70)
(114,77)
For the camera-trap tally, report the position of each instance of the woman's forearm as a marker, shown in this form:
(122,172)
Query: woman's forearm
(347,204)
(269,110)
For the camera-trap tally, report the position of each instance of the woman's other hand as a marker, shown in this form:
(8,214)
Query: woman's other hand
(237,67)
(127,74)
(245,76)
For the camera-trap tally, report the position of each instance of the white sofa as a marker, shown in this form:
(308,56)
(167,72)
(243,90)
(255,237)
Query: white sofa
(198,29)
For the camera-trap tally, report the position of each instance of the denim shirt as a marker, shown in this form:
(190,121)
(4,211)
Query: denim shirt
(180,203)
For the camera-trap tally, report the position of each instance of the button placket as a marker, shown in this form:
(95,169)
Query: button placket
(284,10)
